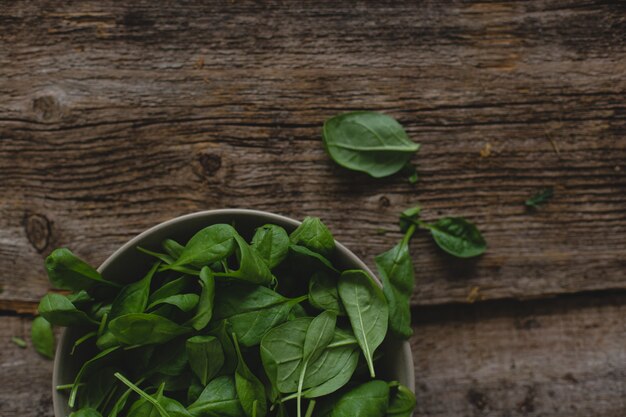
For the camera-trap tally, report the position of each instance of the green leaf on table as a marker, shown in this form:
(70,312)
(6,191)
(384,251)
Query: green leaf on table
(206,357)
(271,243)
(370,399)
(323,293)
(409,217)
(209,245)
(68,272)
(42,335)
(313,235)
(367,310)
(396,271)
(204,310)
(58,310)
(369,142)
(458,237)
(540,197)
(252,310)
(145,329)
(250,390)
(19,342)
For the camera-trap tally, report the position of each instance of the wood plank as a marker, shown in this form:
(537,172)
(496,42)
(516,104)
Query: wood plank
(117,117)
(559,358)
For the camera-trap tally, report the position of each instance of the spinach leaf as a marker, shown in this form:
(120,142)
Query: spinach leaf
(204,312)
(97,388)
(209,245)
(283,361)
(206,357)
(252,310)
(252,268)
(58,310)
(539,198)
(219,398)
(369,142)
(409,217)
(97,362)
(145,329)
(86,412)
(68,272)
(169,359)
(230,356)
(43,337)
(173,248)
(170,288)
(458,237)
(370,399)
(396,270)
(317,337)
(313,235)
(319,260)
(185,302)
(367,310)
(250,390)
(271,243)
(323,293)
(401,402)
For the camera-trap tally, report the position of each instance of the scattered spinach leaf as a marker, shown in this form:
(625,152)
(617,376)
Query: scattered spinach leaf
(19,342)
(42,335)
(458,237)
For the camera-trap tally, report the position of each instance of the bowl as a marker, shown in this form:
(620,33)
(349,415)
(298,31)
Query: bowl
(127,263)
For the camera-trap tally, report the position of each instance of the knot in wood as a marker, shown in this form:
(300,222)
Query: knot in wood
(210,163)
(38,230)
(384,202)
(47,108)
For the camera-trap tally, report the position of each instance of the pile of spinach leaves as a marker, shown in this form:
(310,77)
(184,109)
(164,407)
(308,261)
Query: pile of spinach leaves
(233,326)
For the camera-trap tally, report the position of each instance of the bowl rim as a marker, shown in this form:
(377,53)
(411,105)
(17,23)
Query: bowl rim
(279,219)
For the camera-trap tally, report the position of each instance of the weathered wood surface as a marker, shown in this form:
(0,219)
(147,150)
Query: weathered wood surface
(115,117)
(562,359)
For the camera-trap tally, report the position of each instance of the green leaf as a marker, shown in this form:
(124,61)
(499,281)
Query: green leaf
(206,357)
(97,387)
(249,389)
(318,260)
(185,302)
(271,243)
(173,248)
(145,329)
(252,310)
(86,412)
(367,310)
(170,288)
(204,311)
(402,401)
(323,293)
(369,142)
(252,268)
(408,217)
(19,342)
(230,356)
(458,237)
(396,271)
(313,235)
(97,362)
(218,399)
(170,359)
(58,310)
(68,272)
(209,245)
(539,198)
(370,399)
(42,335)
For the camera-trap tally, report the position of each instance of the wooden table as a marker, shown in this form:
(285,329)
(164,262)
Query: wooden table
(115,117)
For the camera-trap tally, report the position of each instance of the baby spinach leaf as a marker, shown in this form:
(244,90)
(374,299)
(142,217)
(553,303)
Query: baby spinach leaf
(173,287)
(271,243)
(173,248)
(337,381)
(97,388)
(80,297)
(206,357)
(539,198)
(230,356)
(317,337)
(204,312)
(58,310)
(209,245)
(396,270)
(323,293)
(313,235)
(86,412)
(19,342)
(401,402)
(409,217)
(369,142)
(43,337)
(250,390)
(458,237)
(367,310)
(252,310)
(306,253)
(185,302)
(68,272)
(219,398)
(156,403)
(370,399)
(97,362)
(145,329)
(252,268)
(169,359)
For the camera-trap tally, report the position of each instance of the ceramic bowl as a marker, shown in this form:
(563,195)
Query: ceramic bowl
(128,263)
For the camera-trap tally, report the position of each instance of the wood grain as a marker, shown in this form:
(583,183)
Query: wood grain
(558,358)
(115,117)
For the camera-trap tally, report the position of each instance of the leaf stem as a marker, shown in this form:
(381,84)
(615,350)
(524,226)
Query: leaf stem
(142,394)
